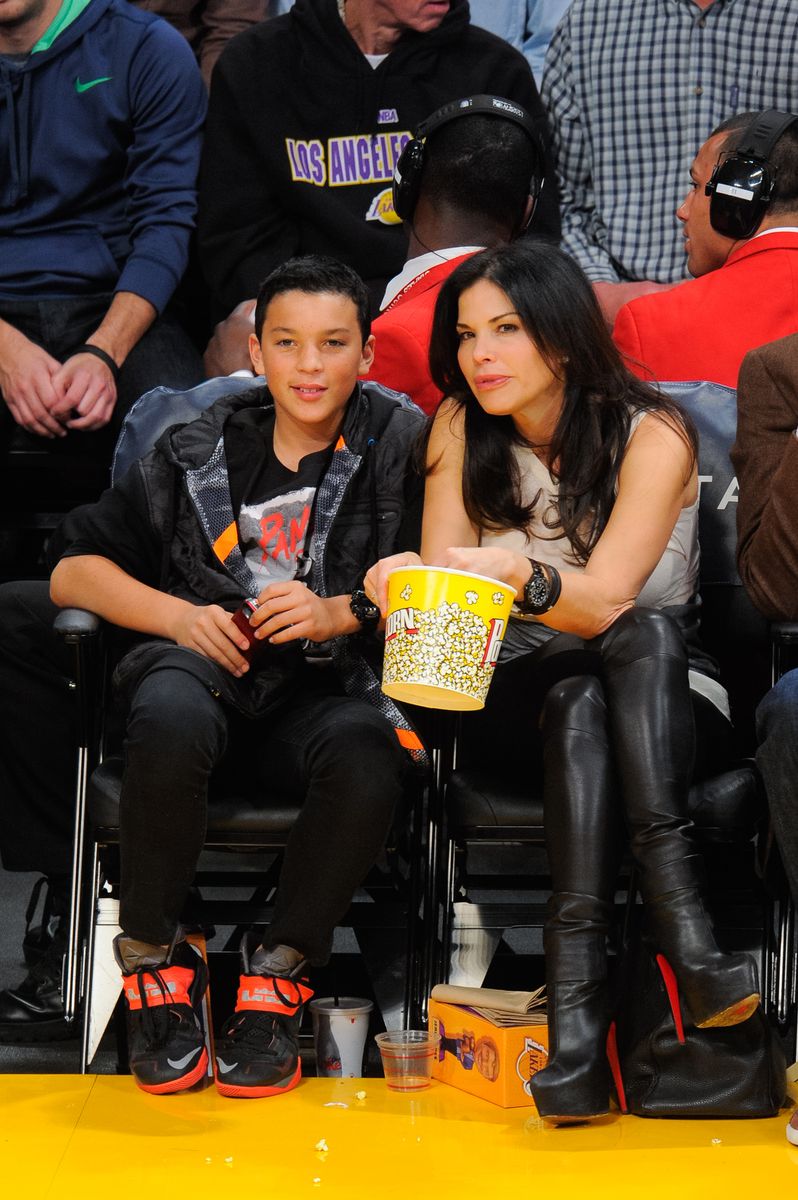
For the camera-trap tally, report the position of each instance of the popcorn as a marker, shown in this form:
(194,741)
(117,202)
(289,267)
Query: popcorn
(441,645)
(446,649)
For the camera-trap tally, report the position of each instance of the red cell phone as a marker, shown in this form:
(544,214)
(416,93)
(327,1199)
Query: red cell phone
(241,620)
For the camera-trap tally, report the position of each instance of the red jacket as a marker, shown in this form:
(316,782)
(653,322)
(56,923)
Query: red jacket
(702,329)
(402,332)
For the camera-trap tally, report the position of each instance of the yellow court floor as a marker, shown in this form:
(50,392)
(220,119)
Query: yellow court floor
(64,1136)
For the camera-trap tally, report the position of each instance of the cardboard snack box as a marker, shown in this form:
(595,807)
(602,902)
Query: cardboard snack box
(486,1059)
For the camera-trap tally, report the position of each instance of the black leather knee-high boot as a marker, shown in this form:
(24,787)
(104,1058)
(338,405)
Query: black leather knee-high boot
(583,829)
(651,722)
(575,1086)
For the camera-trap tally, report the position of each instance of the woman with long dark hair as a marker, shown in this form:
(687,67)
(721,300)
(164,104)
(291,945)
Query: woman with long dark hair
(549,466)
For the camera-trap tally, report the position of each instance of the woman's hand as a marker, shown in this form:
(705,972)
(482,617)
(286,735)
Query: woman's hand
(375,584)
(508,566)
(288,611)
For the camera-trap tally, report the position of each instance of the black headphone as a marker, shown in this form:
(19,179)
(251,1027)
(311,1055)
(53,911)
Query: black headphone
(408,171)
(741,187)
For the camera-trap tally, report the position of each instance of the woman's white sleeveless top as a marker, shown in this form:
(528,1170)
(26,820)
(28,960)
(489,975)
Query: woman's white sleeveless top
(674,579)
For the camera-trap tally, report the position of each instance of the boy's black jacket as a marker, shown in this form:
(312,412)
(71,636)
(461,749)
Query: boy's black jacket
(175,504)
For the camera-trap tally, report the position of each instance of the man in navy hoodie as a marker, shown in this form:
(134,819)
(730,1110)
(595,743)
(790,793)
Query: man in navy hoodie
(101,107)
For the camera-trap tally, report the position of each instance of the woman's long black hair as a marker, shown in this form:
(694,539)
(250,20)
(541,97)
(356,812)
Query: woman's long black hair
(559,311)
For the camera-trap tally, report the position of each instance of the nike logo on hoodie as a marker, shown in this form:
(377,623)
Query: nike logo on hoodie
(80,88)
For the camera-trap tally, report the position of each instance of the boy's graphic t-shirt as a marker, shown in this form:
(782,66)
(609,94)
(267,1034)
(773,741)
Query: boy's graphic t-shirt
(274,504)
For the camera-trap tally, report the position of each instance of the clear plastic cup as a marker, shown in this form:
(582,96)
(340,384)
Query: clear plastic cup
(407,1057)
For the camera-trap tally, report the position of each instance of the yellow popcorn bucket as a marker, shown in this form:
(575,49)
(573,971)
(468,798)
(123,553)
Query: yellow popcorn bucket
(442,636)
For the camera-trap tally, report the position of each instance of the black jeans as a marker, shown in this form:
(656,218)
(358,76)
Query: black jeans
(164,355)
(38,734)
(338,757)
(777,759)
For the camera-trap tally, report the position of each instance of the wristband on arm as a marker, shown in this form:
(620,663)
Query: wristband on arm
(103,356)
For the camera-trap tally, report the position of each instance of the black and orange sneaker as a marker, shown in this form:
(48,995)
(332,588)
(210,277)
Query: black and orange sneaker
(166,1038)
(258,1051)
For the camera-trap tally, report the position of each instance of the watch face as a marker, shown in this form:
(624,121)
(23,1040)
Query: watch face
(364,609)
(536,591)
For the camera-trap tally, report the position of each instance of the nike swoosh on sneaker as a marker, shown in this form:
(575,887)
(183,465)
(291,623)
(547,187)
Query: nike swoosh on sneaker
(80,88)
(179,1063)
(223,1066)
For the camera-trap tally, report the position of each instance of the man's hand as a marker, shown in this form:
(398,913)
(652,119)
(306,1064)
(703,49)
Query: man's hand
(228,349)
(88,392)
(288,611)
(27,375)
(211,631)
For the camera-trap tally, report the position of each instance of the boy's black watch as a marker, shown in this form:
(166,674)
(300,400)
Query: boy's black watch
(366,612)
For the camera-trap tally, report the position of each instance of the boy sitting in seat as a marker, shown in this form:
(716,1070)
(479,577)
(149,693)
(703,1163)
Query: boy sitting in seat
(285,495)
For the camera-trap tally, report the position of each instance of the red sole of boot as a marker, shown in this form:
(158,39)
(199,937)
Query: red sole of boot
(179,1085)
(237,1092)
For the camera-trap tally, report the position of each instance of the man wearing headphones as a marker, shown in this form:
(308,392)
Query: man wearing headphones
(440,192)
(631,88)
(740,225)
(308,115)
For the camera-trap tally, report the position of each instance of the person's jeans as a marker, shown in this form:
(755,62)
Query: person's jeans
(336,756)
(38,734)
(777,759)
(164,355)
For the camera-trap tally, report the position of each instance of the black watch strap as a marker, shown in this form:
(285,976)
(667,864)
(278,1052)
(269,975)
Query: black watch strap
(541,590)
(364,610)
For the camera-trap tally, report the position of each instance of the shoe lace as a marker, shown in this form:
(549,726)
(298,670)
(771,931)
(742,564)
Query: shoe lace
(295,1000)
(155,1016)
(247,1028)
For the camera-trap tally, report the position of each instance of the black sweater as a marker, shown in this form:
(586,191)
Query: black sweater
(303,135)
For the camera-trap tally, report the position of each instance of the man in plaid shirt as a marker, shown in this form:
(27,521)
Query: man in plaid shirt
(632,87)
